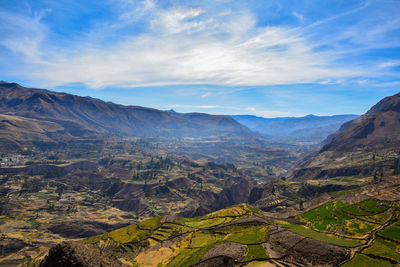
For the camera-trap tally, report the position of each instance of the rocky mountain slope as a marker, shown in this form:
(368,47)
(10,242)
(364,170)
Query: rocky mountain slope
(60,115)
(367,145)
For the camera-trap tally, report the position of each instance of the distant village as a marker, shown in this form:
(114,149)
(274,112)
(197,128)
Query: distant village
(11,160)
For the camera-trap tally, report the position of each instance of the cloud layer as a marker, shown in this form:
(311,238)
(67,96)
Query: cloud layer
(180,44)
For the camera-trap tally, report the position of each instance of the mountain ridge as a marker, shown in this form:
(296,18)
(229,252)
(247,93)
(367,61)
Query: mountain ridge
(86,117)
(365,145)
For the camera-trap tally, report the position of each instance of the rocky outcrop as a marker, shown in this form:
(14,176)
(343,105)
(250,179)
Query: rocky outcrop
(237,193)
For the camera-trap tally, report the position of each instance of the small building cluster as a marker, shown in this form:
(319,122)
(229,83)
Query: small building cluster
(11,160)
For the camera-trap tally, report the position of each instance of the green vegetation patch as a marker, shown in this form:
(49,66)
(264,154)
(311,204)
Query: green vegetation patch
(255,252)
(150,224)
(381,218)
(252,235)
(234,211)
(168,230)
(310,215)
(337,215)
(392,232)
(356,210)
(384,248)
(358,227)
(207,222)
(364,261)
(130,233)
(95,239)
(201,239)
(331,239)
(188,257)
(373,206)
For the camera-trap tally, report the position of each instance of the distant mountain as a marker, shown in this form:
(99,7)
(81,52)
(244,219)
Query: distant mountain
(364,146)
(307,128)
(62,115)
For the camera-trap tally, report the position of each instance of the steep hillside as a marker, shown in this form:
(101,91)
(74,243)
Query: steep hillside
(309,128)
(16,128)
(367,145)
(87,117)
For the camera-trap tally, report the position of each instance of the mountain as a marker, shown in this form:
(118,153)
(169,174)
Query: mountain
(16,128)
(363,146)
(61,115)
(309,128)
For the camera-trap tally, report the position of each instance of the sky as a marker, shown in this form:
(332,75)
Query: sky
(270,58)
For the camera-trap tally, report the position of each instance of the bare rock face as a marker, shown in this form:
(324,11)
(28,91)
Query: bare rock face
(79,255)
(237,193)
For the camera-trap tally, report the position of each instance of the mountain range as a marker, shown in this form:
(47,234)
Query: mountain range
(363,146)
(336,206)
(51,116)
(310,128)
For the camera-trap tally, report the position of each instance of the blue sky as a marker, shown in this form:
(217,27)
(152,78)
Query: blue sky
(266,58)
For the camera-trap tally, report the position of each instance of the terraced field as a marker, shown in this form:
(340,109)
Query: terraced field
(361,234)
(192,238)
(350,221)
(373,227)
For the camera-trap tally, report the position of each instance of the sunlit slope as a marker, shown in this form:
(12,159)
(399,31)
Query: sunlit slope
(331,235)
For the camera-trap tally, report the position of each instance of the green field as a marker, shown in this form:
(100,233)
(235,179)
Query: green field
(335,240)
(348,220)
(188,257)
(364,261)
(255,252)
(384,248)
(392,232)
(249,235)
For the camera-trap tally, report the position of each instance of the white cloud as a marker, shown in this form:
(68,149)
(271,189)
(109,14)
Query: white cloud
(331,81)
(183,45)
(205,95)
(298,16)
(23,34)
(389,64)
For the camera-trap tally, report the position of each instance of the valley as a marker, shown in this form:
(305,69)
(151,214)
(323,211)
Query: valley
(78,186)
(352,229)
